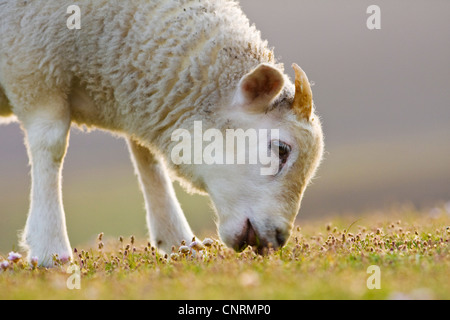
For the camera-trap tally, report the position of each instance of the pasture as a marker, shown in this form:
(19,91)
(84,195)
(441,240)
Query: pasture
(324,259)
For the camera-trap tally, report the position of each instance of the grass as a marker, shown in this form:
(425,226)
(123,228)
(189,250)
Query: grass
(323,260)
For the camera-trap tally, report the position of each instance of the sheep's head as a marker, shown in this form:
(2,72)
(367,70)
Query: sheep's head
(257,190)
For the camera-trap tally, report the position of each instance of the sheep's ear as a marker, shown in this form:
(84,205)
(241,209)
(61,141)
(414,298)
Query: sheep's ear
(260,87)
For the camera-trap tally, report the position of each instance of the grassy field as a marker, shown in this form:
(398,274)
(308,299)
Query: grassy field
(327,259)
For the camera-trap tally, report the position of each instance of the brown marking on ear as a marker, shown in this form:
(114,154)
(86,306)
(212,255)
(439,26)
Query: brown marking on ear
(262,85)
(303,101)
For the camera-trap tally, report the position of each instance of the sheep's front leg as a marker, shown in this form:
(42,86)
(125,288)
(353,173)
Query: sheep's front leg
(166,221)
(46,128)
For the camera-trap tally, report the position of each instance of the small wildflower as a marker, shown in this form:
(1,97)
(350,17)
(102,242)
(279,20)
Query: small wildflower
(184,249)
(64,259)
(208,242)
(4,265)
(14,256)
(34,261)
(196,245)
(100,236)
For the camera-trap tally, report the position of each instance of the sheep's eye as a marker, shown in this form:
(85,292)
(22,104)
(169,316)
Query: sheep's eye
(282,149)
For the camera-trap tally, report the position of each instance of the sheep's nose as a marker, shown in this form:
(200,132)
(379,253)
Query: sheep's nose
(248,237)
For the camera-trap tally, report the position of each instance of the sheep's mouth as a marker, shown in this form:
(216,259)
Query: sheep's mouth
(249,237)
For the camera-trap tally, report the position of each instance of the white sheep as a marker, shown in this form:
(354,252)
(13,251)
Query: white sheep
(142,69)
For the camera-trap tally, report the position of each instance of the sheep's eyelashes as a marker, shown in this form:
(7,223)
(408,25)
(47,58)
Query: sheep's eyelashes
(282,149)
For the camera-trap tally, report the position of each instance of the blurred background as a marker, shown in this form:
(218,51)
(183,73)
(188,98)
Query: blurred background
(383,96)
